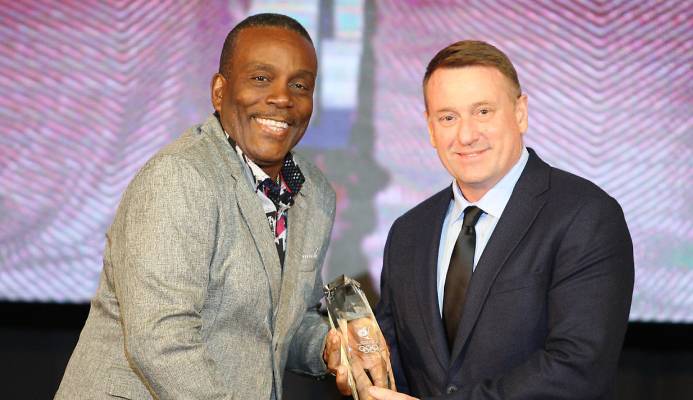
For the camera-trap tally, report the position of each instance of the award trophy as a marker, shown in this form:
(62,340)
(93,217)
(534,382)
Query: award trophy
(363,348)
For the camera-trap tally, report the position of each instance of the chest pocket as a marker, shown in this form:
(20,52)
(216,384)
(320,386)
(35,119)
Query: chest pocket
(507,285)
(126,385)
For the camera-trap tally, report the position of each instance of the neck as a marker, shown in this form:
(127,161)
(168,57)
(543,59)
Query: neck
(271,170)
(471,194)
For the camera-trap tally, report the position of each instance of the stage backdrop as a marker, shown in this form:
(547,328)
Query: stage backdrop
(91,90)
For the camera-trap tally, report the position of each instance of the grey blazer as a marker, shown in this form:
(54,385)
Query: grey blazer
(192,301)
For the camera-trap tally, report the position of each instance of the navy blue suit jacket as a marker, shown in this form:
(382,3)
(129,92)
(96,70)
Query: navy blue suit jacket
(547,307)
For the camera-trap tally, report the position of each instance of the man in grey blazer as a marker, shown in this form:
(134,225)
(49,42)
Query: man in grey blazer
(211,277)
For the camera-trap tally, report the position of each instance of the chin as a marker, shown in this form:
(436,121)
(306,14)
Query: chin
(471,181)
(271,159)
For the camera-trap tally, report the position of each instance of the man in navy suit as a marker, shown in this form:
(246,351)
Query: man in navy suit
(515,282)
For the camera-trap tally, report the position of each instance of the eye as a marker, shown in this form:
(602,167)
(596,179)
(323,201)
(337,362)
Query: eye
(300,86)
(484,113)
(260,78)
(447,119)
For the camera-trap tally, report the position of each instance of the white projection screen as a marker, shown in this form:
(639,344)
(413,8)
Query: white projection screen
(91,89)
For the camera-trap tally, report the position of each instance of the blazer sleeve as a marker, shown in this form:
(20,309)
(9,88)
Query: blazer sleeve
(308,343)
(386,321)
(161,247)
(588,305)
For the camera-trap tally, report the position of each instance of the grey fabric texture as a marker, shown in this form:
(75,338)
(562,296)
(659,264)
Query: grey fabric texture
(192,301)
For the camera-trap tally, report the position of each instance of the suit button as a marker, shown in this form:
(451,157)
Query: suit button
(451,389)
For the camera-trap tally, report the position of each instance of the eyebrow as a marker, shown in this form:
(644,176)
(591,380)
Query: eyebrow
(444,110)
(270,67)
(474,105)
(482,103)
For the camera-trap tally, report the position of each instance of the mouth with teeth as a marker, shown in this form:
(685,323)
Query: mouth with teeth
(272,125)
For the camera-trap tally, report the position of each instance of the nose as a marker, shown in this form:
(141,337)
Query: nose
(468,133)
(280,96)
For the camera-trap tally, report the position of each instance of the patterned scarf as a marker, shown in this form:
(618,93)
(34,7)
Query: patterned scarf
(276,196)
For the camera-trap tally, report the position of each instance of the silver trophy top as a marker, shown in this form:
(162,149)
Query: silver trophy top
(346,300)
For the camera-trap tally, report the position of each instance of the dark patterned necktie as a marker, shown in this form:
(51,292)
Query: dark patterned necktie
(459,273)
(292,176)
(282,196)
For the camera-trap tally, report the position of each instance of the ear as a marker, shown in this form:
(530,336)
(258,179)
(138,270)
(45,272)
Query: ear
(521,113)
(217,91)
(429,125)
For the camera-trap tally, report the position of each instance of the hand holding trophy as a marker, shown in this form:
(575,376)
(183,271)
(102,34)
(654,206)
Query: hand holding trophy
(363,348)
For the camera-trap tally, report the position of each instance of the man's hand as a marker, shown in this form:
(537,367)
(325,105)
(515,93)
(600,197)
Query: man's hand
(332,357)
(384,394)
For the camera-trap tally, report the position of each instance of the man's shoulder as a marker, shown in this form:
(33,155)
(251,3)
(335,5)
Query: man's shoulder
(198,147)
(196,143)
(561,184)
(194,156)
(569,194)
(568,185)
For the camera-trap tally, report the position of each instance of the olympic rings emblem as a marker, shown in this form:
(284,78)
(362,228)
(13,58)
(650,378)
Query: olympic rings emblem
(369,348)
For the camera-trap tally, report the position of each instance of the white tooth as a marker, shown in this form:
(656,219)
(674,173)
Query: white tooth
(272,123)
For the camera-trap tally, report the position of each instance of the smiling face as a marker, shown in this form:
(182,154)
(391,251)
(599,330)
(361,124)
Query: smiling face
(265,98)
(476,124)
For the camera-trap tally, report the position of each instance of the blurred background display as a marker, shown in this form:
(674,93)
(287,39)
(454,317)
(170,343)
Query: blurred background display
(91,90)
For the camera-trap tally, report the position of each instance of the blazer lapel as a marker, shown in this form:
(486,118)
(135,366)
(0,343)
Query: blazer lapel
(251,210)
(298,214)
(426,266)
(522,208)
(250,207)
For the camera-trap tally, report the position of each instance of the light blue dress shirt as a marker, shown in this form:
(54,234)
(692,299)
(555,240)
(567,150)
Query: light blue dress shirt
(493,203)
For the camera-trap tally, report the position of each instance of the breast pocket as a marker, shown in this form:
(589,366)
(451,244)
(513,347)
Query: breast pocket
(126,385)
(507,285)
(310,260)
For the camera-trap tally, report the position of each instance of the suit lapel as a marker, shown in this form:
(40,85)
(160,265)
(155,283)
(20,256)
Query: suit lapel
(255,218)
(298,215)
(522,208)
(426,266)
(250,207)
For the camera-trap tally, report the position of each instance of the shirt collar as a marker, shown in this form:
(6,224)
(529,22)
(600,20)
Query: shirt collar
(252,171)
(290,178)
(495,200)
(258,173)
